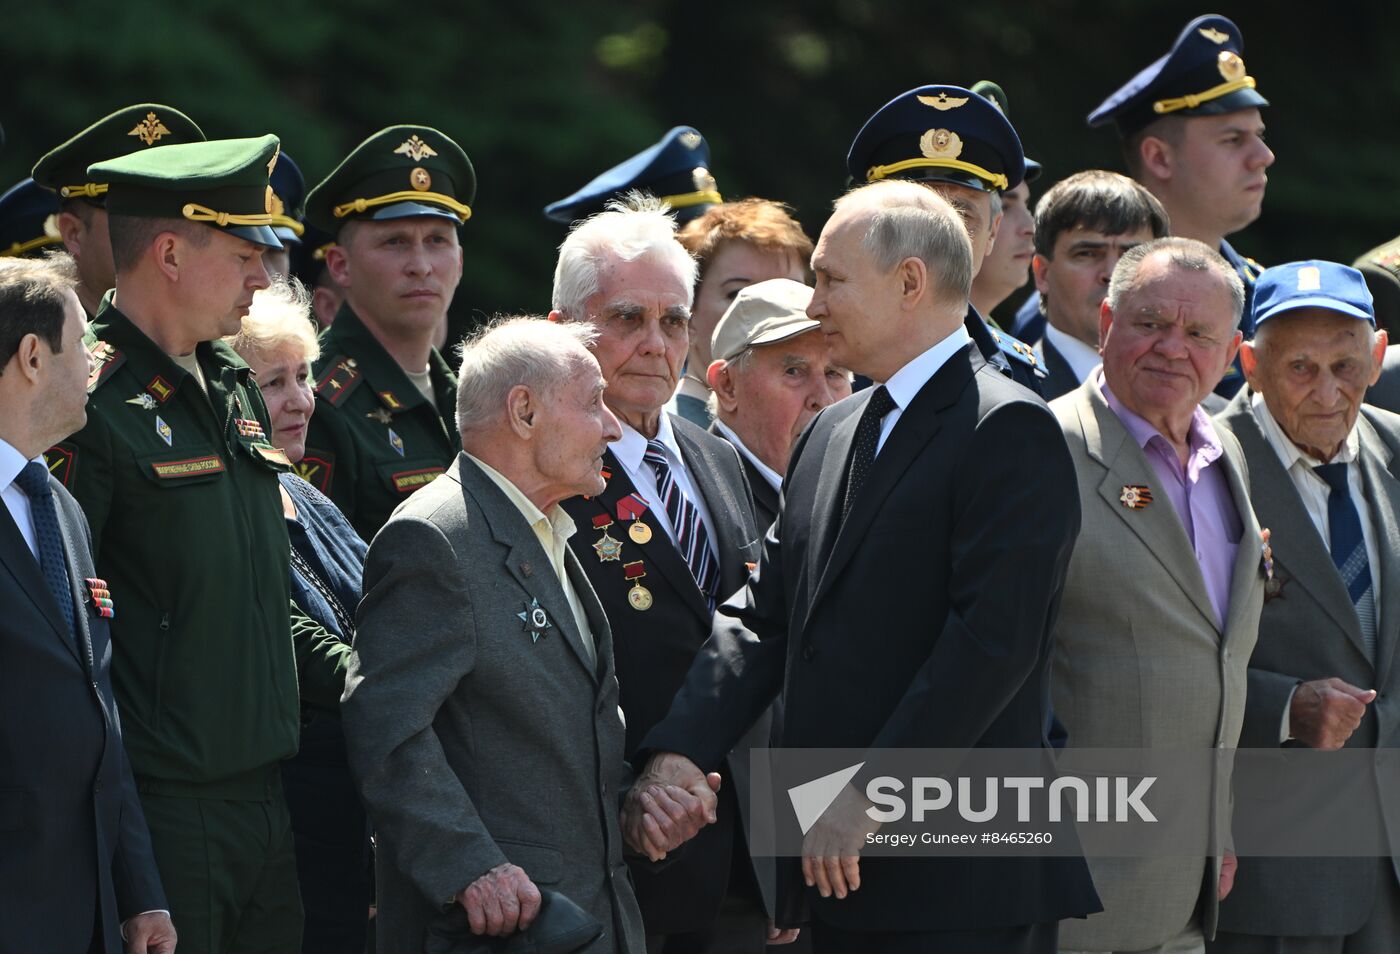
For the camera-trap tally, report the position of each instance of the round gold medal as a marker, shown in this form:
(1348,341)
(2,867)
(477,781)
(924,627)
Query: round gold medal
(640,533)
(639,597)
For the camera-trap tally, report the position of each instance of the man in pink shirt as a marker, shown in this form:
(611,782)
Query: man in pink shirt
(1162,599)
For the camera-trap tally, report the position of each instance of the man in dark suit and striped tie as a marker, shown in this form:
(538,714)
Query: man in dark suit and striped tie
(76,868)
(670,536)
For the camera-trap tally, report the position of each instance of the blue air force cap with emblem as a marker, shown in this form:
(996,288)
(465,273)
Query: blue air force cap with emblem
(1203,74)
(28,220)
(288,200)
(676,170)
(939,134)
(1312,284)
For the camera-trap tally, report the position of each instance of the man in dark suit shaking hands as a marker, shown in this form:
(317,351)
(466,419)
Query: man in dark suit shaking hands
(875,606)
(76,868)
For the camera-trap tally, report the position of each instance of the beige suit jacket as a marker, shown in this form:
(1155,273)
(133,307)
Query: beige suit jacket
(1141,661)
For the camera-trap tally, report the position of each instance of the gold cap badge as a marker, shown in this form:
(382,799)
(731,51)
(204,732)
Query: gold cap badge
(690,139)
(1231,66)
(415,149)
(942,102)
(1214,35)
(420,179)
(940,144)
(149,130)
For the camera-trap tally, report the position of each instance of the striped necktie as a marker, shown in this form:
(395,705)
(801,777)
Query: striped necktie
(1348,547)
(691,539)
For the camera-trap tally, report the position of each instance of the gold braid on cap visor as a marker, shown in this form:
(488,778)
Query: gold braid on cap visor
(357,206)
(202,213)
(1192,100)
(692,198)
(88,190)
(994,179)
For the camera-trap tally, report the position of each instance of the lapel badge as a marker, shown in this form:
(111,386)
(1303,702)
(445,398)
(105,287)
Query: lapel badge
(1135,496)
(638,597)
(101,598)
(163,429)
(609,549)
(143,401)
(395,441)
(1267,552)
(535,619)
(381,415)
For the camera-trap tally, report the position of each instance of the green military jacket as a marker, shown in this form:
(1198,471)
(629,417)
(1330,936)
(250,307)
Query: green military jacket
(188,530)
(374,439)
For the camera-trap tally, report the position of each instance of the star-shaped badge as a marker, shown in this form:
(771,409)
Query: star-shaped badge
(1135,496)
(535,619)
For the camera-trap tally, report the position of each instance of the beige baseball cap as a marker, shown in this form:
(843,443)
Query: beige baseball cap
(762,314)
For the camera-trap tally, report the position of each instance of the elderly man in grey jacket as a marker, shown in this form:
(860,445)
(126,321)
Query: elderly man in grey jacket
(481,708)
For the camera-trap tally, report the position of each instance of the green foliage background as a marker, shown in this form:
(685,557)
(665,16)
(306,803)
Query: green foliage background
(544,95)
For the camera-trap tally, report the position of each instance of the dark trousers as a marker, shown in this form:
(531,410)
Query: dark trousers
(1026,939)
(740,928)
(229,871)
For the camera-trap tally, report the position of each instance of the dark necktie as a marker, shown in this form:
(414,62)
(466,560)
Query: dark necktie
(34,481)
(691,539)
(1349,549)
(867,439)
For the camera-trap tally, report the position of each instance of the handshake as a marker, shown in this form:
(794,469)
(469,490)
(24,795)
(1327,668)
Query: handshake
(667,805)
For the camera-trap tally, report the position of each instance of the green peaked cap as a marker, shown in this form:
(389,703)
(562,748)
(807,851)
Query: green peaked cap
(222,183)
(132,129)
(398,172)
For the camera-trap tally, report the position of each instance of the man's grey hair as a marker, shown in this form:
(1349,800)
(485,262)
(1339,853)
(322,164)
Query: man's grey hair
(907,220)
(526,350)
(633,227)
(1183,253)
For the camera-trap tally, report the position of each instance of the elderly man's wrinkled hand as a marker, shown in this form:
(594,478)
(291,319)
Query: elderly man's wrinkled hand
(500,902)
(831,848)
(669,803)
(1325,712)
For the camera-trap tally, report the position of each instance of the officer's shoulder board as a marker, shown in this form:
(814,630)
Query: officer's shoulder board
(1017,350)
(341,376)
(105,360)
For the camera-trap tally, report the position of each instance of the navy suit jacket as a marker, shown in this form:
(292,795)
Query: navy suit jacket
(75,853)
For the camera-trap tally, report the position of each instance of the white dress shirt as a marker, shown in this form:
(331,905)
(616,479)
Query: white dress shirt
(629,451)
(769,474)
(16,500)
(905,384)
(1081,358)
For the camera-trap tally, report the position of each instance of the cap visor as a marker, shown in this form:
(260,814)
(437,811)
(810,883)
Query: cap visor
(1033,171)
(257,234)
(408,210)
(286,235)
(1229,103)
(1316,301)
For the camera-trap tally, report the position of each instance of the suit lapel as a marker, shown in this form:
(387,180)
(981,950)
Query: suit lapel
(1249,555)
(917,425)
(592,611)
(726,513)
(525,559)
(660,554)
(1383,498)
(17,558)
(1156,525)
(1297,546)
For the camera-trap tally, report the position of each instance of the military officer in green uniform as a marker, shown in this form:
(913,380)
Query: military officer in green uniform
(82,219)
(385,416)
(179,482)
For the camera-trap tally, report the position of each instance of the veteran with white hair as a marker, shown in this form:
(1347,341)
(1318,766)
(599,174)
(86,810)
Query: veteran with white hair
(670,536)
(481,708)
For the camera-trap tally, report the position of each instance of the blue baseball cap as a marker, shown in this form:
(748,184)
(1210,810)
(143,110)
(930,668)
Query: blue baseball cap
(1312,284)
(675,169)
(939,134)
(1203,74)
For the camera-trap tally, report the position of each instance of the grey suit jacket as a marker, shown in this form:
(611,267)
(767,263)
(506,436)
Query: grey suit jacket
(1385,392)
(1309,630)
(474,742)
(1141,660)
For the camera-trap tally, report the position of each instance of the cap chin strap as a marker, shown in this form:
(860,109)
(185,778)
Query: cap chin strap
(88,190)
(19,248)
(1192,100)
(358,206)
(994,179)
(202,213)
(686,199)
